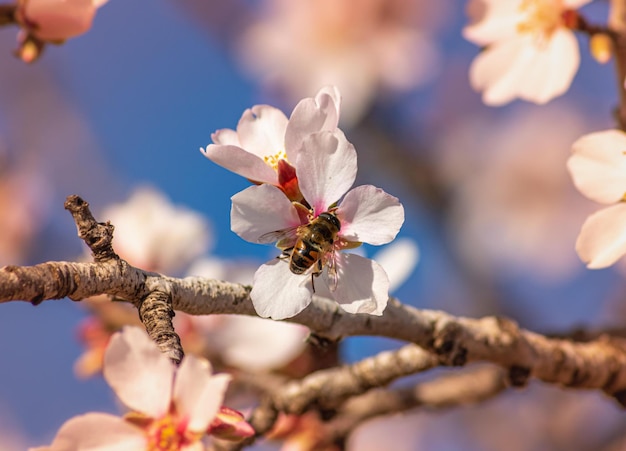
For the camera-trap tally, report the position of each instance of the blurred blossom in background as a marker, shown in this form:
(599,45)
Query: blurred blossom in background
(488,200)
(152,234)
(364,47)
(514,207)
(22,201)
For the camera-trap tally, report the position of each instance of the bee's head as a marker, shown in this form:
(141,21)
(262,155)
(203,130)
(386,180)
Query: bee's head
(330,217)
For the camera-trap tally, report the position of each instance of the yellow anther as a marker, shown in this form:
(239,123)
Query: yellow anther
(163,436)
(542,17)
(272,160)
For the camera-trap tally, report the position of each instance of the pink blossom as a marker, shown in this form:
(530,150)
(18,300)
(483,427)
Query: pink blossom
(94,335)
(266,144)
(598,168)
(531,51)
(154,234)
(57,20)
(326,169)
(171,408)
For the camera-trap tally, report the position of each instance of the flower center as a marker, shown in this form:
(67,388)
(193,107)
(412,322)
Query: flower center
(541,18)
(272,160)
(162,435)
(168,434)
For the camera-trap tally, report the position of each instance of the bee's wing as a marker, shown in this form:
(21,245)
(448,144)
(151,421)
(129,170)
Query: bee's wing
(278,236)
(332,271)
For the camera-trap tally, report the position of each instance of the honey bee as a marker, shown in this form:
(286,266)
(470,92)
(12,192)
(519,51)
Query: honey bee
(313,246)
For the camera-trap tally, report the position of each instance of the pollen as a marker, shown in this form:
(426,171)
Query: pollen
(541,18)
(272,160)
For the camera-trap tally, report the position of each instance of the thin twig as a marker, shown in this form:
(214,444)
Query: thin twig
(465,388)
(617,23)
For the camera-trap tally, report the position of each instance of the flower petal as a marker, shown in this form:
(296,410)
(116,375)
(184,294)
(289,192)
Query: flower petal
(259,344)
(312,115)
(278,293)
(193,446)
(326,168)
(226,137)
(575,4)
(602,239)
(598,165)
(259,210)
(97,432)
(261,130)
(398,259)
(362,285)
(517,67)
(138,372)
(198,395)
(491,20)
(241,162)
(60,19)
(370,215)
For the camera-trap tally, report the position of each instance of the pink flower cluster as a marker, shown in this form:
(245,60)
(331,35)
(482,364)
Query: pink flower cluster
(169,407)
(303,168)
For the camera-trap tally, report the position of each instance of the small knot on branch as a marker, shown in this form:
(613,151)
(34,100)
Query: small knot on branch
(98,236)
(447,344)
(263,417)
(519,376)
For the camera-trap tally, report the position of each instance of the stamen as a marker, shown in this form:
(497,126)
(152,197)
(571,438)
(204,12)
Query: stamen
(272,160)
(164,434)
(541,18)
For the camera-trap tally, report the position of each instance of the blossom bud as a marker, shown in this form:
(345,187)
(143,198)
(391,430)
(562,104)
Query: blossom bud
(601,47)
(29,48)
(229,424)
(57,20)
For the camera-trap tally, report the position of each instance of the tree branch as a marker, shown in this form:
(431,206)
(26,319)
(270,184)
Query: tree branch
(617,23)
(327,389)
(469,387)
(7,14)
(599,364)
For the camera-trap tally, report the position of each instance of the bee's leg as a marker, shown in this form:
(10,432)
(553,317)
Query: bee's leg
(316,272)
(286,253)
